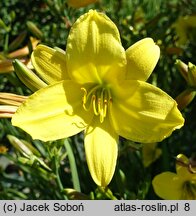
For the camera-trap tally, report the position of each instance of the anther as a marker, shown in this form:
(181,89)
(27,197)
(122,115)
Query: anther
(191,169)
(105,108)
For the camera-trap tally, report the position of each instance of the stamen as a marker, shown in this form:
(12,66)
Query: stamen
(99,98)
(101,118)
(191,168)
(93,90)
(85,94)
(94,105)
(99,105)
(105,108)
(85,99)
(188,165)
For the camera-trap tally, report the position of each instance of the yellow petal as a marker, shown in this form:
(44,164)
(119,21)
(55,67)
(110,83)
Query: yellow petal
(80,3)
(168,186)
(183,168)
(142,58)
(101,151)
(53,112)
(50,64)
(143,113)
(94,51)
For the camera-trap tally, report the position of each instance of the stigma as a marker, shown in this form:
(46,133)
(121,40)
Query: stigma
(98,99)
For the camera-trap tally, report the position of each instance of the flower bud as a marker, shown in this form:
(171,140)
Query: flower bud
(192,74)
(24,51)
(30,153)
(188,72)
(34,30)
(183,68)
(11,99)
(7,111)
(20,146)
(185,98)
(27,76)
(17,42)
(6,66)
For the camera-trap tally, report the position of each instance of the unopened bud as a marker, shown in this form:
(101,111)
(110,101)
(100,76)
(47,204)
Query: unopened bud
(34,30)
(192,74)
(31,148)
(6,66)
(19,145)
(24,51)
(7,111)
(188,72)
(11,99)
(23,160)
(185,98)
(183,68)
(27,76)
(17,42)
(23,146)
(33,160)
(30,153)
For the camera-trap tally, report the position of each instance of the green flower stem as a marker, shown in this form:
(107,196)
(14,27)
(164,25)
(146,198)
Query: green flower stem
(58,178)
(74,172)
(105,193)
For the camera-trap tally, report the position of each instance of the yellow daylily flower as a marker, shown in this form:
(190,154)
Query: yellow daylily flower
(80,3)
(177,186)
(99,88)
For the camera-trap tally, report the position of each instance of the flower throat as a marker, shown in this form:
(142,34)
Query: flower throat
(99,99)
